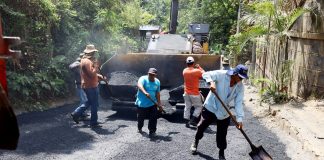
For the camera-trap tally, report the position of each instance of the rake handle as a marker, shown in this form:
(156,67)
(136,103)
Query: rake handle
(234,120)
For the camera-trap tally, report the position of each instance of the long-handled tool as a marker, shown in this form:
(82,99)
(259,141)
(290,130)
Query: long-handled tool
(160,108)
(257,153)
(107,85)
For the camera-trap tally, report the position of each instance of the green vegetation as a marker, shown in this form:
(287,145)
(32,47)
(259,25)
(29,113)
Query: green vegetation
(220,14)
(54,32)
(262,21)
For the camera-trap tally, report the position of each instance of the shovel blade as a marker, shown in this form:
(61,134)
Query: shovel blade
(259,153)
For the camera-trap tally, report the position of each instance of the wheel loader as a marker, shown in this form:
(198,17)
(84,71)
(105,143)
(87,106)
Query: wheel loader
(165,52)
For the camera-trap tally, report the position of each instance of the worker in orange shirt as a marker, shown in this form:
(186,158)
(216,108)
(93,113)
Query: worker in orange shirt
(192,97)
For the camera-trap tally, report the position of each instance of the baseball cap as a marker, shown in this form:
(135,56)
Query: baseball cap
(190,60)
(241,70)
(152,71)
(225,61)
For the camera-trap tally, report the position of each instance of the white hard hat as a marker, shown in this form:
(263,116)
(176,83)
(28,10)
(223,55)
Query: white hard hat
(190,60)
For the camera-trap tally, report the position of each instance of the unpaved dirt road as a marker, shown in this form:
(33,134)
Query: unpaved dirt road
(53,135)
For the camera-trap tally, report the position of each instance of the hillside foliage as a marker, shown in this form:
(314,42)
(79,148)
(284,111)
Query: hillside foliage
(54,32)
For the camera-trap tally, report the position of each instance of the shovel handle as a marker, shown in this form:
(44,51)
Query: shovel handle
(234,120)
(158,106)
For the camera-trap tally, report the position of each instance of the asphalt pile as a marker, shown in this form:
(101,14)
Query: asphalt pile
(123,78)
(164,94)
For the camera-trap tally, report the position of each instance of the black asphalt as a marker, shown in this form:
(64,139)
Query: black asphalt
(52,134)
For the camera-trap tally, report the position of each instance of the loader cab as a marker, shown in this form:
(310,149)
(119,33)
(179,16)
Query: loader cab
(146,32)
(169,44)
(200,34)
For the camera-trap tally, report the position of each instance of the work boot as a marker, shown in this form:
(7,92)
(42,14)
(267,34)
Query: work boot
(75,118)
(221,155)
(96,125)
(194,147)
(193,121)
(140,131)
(188,124)
(152,134)
(85,115)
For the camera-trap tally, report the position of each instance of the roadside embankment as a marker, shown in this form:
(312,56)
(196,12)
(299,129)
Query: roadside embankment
(298,123)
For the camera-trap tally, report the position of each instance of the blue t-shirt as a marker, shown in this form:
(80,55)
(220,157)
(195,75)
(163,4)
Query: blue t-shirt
(151,87)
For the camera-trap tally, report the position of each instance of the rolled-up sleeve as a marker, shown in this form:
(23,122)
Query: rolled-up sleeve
(239,105)
(210,76)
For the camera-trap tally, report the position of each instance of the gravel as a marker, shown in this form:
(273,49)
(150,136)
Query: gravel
(164,94)
(53,135)
(123,78)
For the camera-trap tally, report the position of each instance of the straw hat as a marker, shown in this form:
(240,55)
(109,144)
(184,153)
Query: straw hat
(90,48)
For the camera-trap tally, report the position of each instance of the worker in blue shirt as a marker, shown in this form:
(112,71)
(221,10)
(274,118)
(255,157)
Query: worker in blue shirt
(228,85)
(148,88)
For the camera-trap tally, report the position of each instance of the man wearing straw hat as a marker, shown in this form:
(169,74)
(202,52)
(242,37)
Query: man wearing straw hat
(89,83)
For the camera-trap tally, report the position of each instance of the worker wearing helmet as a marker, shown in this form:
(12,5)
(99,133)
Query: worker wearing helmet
(192,97)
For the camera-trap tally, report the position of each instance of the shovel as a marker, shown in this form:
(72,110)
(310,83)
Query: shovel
(160,108)
(257,153)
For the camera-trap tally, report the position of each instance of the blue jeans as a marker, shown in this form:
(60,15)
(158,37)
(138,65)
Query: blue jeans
(92,96)
(83,96)
(83,100)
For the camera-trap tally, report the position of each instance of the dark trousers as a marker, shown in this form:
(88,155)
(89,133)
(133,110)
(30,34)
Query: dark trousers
(206,119)
(147,113)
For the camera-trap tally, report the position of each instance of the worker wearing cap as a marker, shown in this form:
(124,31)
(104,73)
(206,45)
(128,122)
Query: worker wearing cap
(228,85)
(148,94)
(89,83)
(226,64)
(191,75)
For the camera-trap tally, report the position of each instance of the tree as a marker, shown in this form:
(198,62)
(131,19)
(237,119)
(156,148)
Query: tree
(262,20)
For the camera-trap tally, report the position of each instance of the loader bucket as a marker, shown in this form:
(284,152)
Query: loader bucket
(135,65)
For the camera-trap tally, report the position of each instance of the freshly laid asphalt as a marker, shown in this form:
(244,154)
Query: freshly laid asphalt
(52,134)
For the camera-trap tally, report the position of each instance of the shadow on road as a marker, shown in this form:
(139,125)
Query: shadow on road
(158,138)
(53,131)
(204,156)
(131,116)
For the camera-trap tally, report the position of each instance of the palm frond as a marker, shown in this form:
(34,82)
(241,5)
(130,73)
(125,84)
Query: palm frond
(294,15)
(264,8)
(240,40)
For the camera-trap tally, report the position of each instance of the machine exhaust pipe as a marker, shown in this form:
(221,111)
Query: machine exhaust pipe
(174,16)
